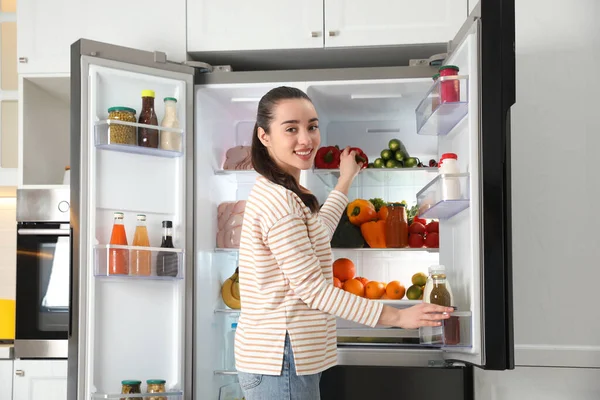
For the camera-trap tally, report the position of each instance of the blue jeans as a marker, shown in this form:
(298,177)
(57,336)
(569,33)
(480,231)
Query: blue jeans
(287,386)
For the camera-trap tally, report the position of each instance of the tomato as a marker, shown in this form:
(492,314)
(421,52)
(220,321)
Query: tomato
(432,240)
(417,227)
(433,226)
(415,240)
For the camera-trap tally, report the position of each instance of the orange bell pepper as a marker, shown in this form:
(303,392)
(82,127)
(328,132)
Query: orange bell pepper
(374,233)
(360,211)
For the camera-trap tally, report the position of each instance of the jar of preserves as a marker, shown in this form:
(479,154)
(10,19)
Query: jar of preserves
(396,226)
(156,386)
(148,137)
(121,134)
(450,89)
(128,387)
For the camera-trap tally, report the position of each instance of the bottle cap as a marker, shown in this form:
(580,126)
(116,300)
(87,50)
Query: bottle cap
(433,268)
(170,99)
(119,215)
(167,224)
(141,217)
(148,93)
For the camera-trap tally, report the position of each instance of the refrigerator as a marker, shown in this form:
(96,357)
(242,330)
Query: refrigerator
(177,328)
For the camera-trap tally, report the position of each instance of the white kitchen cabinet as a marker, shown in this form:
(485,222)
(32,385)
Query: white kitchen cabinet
(40,379)
(6,379)
(47,28)
(392,22)
(254,25)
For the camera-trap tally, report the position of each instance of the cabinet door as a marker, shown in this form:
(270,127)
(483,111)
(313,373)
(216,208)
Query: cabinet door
(40,379)
(392,22)
(254,25)
(46,29)
(150,25)
(6,379)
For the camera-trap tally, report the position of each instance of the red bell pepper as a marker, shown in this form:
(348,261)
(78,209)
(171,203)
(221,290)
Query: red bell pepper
(421,220)
(328,157)
(360,156)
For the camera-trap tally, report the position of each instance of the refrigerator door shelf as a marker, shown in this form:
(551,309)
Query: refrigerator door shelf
(174,257)
(162,396)
(454,332)
(444,197)
(444,106)
(358,249)
(103,140)
(368,177)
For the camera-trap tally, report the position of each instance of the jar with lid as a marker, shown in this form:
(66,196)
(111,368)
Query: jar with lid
(128,387)
(450,89)
(435,94)
(450,185)
(118,133)
(156,386)
(396,226)
(148,137)
(170,140)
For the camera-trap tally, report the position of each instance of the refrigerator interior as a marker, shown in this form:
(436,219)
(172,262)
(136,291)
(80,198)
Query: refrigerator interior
(365,114)
(134,322)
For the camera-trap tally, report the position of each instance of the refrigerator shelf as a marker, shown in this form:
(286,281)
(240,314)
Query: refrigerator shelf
(167,395)
(396,177)
(227,311)
(365,249)
(438,118)
(102,139)
(103,251)
(224,372)
(444,197)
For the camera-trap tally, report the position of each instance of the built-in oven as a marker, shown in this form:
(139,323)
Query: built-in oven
(43,269)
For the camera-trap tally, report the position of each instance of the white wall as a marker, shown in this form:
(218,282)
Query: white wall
(555,189)
(8,248)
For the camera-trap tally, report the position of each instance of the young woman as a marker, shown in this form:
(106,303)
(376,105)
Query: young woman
(286,334)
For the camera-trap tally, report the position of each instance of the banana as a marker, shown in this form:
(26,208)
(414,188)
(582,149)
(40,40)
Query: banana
(230,291)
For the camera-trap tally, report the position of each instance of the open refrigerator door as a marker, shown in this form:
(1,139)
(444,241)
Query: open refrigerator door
(131,195)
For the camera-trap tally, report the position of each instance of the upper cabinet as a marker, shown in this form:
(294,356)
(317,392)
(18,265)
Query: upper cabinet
(254,25)
(47,28)
(276,24)
(392,22)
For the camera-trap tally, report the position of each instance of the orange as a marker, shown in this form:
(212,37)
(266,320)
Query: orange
(395,290)
(362,280)
(354,286)
(374,290)
(337,282)
(343,269)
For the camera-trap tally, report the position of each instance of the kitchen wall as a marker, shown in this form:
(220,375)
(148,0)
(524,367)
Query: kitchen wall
(555,142)
(8,247)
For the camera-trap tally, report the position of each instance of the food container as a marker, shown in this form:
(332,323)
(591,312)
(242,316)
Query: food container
(156,386)
(122,134)
(450,184)
(450,89)
(128,387)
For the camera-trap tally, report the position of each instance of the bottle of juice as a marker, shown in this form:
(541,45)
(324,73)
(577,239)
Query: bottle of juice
(167,261)
(141,263)
(118,259)
(439,292)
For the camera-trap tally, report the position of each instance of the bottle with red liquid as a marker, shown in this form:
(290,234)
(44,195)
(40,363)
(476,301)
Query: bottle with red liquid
(450,89)
(148,137)
(118,259)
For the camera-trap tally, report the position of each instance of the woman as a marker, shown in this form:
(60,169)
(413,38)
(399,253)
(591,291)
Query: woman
(286,334)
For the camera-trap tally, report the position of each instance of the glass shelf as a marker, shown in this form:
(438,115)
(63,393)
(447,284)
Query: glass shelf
(438,117)
(454,332)
(444,197)
(378,176)
(150,254)
(365,249)
(140,396)
(102,139)
(227,311)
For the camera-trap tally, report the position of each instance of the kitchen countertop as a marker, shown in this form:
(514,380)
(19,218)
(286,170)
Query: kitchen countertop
(6,351)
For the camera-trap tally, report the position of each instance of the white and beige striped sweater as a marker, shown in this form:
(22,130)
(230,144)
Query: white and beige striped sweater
(286,283)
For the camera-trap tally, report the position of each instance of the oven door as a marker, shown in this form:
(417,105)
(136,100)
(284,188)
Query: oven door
(42,307)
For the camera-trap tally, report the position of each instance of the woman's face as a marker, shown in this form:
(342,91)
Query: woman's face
(294,136)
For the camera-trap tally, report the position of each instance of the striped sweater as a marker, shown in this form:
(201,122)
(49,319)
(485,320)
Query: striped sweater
(286,283)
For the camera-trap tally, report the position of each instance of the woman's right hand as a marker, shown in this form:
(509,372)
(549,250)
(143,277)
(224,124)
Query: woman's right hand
(349,168)
(414,317)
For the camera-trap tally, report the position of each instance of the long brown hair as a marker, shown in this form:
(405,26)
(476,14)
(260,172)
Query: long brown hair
(261,159)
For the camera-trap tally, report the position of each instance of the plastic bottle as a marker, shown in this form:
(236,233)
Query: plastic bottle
(229,362)
(141,260)
(450,185)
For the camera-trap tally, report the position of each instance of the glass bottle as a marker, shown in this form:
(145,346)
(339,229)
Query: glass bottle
(167,261)
(170,140)
(141,263)
(148,137)
(118,259)
(440,293)
(396,226)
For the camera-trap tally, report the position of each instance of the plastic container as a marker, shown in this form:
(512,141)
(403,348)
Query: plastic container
(122,134)
(396,226)
(435,94)
(156,386)
(148,137)
(449,90)
(229,359)
(128,387)
(170,140)
(450,185)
